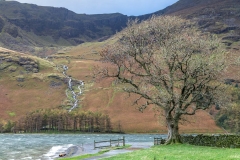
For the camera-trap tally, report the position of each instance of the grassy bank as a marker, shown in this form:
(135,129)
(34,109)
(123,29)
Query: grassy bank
(85,156)
(181,152)
(96,154)
(173,152)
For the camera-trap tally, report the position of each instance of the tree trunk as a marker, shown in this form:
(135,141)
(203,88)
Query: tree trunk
(173,131)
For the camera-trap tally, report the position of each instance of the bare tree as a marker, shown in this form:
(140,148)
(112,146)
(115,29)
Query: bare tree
(169,64)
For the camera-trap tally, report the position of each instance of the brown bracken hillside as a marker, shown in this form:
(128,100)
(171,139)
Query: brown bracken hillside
(28,83)
(108,98)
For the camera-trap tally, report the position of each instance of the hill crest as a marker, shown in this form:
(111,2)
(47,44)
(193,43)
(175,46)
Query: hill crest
(29,28)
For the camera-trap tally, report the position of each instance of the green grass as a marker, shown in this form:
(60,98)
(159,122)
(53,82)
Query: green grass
(96,154)
(11,114)
(86,155)
(181,152)
(111,98)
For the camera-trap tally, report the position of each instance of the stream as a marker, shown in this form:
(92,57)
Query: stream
(74,94)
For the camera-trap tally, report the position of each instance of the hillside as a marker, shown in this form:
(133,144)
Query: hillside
(219,17)
(29,83)
(26,84)
(108,98)
(24,27)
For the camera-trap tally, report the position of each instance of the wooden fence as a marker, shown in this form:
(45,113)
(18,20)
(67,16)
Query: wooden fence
(110,143)
(158,141)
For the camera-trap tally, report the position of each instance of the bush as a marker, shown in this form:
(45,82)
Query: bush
(226,141)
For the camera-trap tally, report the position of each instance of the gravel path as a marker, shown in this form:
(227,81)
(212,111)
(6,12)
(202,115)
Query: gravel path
(134,146)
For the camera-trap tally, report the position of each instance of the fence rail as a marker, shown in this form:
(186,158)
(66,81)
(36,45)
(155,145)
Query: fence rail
(158,141)
(111,142)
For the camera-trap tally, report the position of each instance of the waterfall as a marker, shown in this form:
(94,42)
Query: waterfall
(74,94)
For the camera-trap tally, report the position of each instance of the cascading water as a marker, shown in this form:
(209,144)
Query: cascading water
(74,94)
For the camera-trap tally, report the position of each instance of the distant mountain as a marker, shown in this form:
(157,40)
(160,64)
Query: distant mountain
(26,27)
(23,25)
(220,17)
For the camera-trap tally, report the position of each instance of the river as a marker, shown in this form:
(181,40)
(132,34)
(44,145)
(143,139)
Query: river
(49,146)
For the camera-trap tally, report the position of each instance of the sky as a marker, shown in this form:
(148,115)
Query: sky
(127,7)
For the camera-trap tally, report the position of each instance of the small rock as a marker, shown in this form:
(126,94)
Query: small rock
(55,84)
(20,79)
(35,70)
(62,155)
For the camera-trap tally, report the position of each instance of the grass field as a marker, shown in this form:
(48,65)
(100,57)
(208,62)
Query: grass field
(174,152)
(86,156)
(181,152)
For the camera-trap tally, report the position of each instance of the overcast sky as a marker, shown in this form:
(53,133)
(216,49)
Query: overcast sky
(127,7)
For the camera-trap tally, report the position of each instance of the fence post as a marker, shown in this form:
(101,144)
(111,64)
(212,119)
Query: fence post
(157,141)
(110,141)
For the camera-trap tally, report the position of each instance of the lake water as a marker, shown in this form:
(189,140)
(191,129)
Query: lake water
(49,146)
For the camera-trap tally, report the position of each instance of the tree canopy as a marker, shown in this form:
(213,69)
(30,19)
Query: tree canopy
(168,63)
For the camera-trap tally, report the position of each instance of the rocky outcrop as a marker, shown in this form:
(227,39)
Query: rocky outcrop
(27,63)
(232,38)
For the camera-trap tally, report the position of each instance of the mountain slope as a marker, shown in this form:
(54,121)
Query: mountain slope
(108,98)
(221,17)
(24,26)
(29,28)
(27,84)
(24,88)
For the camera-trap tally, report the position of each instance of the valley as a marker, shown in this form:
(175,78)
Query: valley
(46,89)
(31,69)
